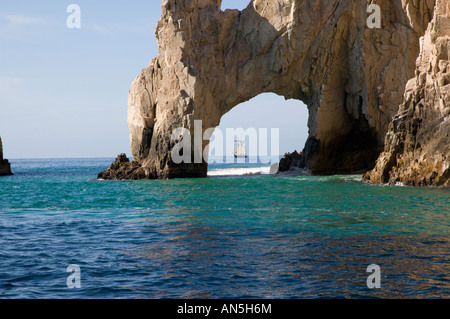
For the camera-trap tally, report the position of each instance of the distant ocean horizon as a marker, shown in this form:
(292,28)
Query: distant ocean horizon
(240,233)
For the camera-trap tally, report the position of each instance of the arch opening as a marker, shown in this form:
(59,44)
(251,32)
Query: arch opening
(234,4)
(268,126)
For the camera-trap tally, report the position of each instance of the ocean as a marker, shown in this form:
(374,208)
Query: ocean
(240,233)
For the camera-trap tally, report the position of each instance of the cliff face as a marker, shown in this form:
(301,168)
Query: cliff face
(5,167)
(351,77)
(417,144)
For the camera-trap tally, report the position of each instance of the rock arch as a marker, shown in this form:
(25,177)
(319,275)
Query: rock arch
(321,52)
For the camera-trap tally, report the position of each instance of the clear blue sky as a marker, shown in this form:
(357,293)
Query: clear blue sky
(63,92)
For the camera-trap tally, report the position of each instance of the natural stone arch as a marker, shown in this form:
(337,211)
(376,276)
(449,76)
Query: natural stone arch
(319,51)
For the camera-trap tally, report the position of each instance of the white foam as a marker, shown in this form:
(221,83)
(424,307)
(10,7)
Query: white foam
(247,171)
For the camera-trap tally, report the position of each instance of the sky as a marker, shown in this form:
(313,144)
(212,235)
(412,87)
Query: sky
(64,92)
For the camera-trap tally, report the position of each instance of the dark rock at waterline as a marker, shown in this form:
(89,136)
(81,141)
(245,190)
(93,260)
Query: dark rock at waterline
(291,161)
(5,166)
(123,169)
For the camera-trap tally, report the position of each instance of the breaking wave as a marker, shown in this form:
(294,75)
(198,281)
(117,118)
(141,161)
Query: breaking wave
(245,171)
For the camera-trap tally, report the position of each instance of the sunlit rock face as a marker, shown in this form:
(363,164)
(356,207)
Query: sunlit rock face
(417,145)
(322,52)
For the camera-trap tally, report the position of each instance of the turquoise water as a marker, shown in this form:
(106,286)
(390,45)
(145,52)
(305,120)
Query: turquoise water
(256,236)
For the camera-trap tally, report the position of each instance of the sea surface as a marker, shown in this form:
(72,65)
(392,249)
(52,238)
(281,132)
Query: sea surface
(240,233)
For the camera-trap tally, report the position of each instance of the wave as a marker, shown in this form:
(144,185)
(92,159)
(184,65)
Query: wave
(246,171)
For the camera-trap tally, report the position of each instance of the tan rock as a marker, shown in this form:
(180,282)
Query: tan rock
(417,145)
(351,77)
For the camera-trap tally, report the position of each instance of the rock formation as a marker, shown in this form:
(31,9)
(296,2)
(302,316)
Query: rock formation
(5,167)
(417,144)
(291,161)
(322,52)
(123,168)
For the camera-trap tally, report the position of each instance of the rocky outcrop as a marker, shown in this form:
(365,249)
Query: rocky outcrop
(292,164)
(417,145)
(5,167)
(291,161)
(122,169)
(351,77)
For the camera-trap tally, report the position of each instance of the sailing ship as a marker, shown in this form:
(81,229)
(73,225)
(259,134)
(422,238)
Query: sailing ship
(240,150)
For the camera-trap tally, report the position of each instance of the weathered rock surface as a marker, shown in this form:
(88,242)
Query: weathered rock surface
(351,77)
(417,145)
(292,164)
(290,161)
(123,169)
(5,166)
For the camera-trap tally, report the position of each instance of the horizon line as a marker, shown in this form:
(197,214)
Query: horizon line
(111,157)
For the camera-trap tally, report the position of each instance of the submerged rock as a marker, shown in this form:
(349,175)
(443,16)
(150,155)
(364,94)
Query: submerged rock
(5,166)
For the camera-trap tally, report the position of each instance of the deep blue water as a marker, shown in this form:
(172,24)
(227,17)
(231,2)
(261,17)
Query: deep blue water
(255,236)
